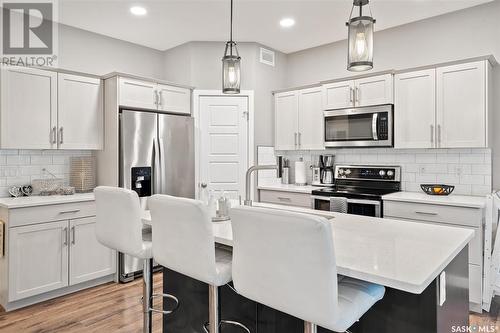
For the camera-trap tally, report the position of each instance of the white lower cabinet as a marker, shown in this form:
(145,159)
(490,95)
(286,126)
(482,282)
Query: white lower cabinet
(88,259)
(48,255)
(464,217)
(38,259)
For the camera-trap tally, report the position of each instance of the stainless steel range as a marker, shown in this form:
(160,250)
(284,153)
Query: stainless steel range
(358,189)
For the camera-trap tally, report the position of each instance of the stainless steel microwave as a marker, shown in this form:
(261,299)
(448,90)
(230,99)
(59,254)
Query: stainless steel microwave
(370,126)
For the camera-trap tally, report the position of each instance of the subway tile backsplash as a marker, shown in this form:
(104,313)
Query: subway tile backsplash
(20,167)
(470,170)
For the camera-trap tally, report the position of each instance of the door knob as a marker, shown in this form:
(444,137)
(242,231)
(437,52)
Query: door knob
(203,185)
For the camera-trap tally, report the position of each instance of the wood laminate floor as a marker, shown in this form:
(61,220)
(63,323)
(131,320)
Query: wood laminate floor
(117,308)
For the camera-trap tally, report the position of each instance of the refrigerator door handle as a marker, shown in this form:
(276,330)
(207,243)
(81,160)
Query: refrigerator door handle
(156,167)
(162,166)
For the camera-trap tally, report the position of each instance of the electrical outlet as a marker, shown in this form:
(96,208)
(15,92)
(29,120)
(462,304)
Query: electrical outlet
(458,170)
(422,169)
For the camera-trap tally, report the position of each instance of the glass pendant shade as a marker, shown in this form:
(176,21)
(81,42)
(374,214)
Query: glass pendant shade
(360,43)
(231,69)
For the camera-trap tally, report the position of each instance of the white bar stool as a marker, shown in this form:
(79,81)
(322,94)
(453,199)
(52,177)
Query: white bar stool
(119,226)
(183,241)
(286,261)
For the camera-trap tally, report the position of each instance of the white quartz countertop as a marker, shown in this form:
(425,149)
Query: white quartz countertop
(37,200)
(289,188)
(449,200)
(398,254)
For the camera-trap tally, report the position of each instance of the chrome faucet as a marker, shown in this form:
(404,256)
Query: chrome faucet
(277,167)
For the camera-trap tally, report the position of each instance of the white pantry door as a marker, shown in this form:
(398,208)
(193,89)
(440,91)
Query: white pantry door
(223,144)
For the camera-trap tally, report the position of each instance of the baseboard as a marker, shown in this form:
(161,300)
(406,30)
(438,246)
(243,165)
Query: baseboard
(10,306)
(475,307)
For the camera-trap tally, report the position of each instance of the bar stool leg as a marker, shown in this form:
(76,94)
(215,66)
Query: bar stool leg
(147,292)
(213,309)
(310,327)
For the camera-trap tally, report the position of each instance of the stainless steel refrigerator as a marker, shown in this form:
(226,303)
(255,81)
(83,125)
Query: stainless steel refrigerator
(156,156)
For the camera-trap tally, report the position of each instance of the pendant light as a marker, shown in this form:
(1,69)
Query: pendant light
(231,65)
(360,39)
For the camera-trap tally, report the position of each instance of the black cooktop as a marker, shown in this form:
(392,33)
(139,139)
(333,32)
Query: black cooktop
(354,192)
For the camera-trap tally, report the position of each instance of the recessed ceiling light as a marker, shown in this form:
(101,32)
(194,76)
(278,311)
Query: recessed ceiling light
(287,22)
(138,10)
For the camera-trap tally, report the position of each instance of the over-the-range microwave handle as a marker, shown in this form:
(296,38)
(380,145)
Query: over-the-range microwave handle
(375,126)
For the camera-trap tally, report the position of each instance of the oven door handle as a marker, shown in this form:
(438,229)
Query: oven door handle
(357,201)
(375,127)
(364,202)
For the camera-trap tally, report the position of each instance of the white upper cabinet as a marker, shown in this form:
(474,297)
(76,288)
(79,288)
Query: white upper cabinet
(462,105)
(311,134)
(338,95)
(151,95)
(299,119)
(415,105)
(446,107)
(28,108)
(88,259)
(80,112)
(42,109)
(174,99)
(138,94)
(374,90)
(286,114)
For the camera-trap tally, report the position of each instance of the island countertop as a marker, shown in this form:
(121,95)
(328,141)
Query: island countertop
(402,255)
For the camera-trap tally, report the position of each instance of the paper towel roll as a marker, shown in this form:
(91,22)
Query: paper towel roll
(300,173)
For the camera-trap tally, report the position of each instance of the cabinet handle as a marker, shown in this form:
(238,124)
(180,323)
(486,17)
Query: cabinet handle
(300,139)
(160,98)
(295,139)
(357,94)
(61,135)
(53,135)
(426,213)
(69,211)
(351,95)
(155,99)
(73,240)
(439,135)
(65,236)
(432,133)
(284,199)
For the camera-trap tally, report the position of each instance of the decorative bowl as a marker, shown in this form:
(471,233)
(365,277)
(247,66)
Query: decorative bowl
(437,189)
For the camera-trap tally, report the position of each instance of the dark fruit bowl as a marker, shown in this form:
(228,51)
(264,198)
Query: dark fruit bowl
(437,189)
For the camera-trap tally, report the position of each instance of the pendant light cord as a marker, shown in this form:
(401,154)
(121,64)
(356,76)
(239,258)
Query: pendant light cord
(231,28)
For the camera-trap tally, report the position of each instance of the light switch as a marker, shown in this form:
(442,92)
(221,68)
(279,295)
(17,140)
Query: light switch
(442,288)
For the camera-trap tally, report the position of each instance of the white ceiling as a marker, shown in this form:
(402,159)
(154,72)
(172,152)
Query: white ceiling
(169,23)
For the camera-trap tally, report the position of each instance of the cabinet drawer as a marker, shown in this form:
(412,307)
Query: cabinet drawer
(285,198)
(435,213)
(475,284)
(39,214)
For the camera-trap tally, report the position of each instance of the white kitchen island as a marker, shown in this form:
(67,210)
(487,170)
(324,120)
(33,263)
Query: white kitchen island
(407,258)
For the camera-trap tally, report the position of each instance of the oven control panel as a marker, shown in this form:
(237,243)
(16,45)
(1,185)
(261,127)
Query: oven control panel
(380,173)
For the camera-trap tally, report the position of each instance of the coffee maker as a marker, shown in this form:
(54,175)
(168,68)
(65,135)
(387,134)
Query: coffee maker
(323,171)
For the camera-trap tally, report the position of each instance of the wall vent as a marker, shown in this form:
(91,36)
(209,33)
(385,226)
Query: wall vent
(267,56)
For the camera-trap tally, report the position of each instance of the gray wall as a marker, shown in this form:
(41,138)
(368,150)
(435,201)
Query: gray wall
(459,35)
(199,64)
(464,34)
(85,51)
